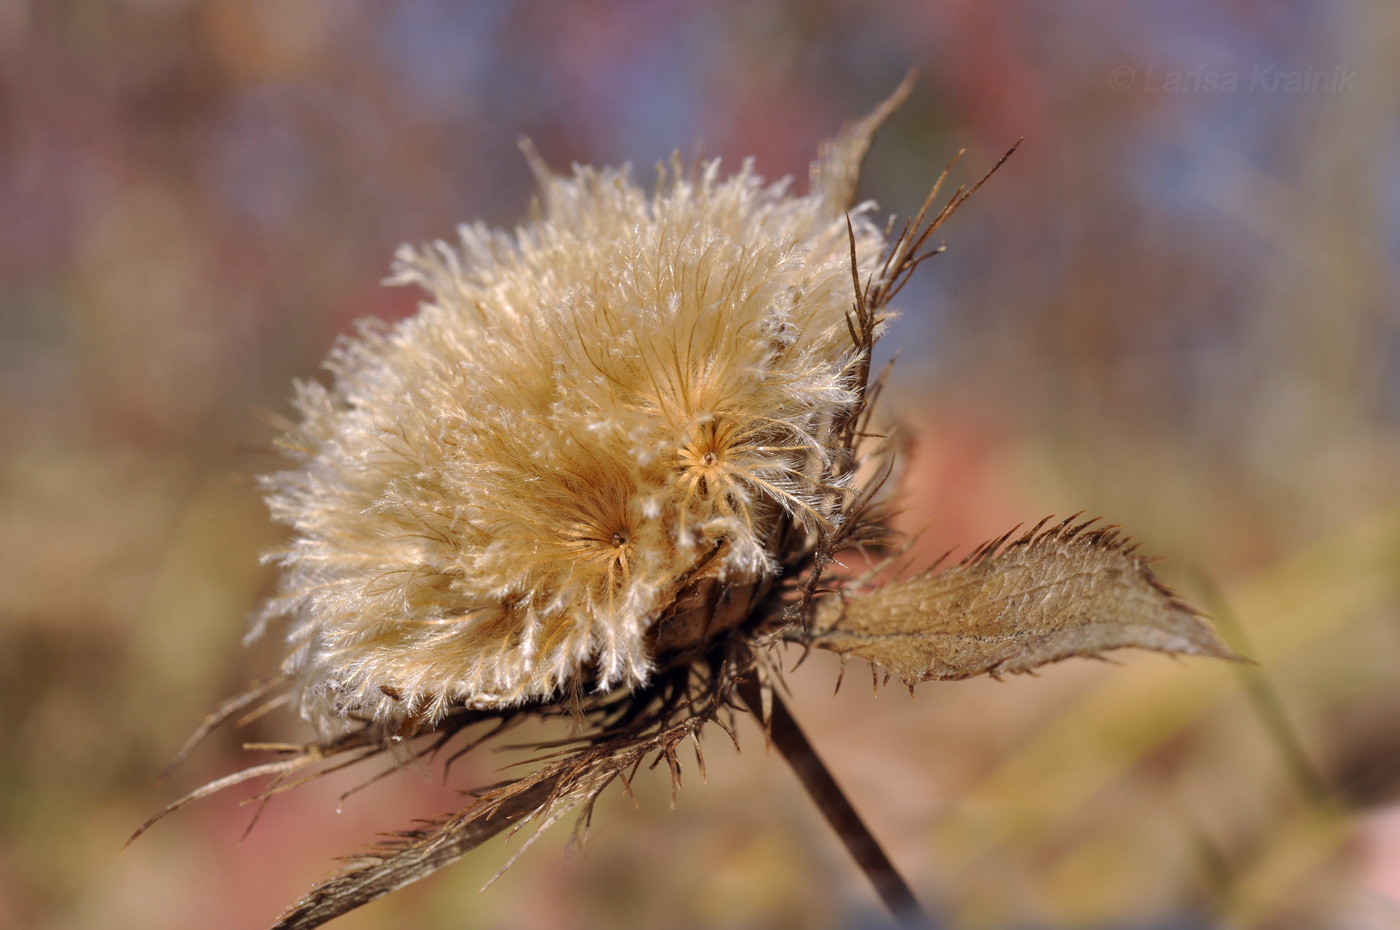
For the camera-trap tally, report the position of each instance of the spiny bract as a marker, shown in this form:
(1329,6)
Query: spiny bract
(500,496)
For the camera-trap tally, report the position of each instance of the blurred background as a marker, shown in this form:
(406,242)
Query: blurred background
(1175,306)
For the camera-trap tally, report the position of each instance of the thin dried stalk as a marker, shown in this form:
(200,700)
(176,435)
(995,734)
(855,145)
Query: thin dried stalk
(785,734)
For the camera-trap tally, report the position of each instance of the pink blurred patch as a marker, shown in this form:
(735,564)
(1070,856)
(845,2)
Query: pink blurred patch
(1379,837)
(955,487)
(300,835)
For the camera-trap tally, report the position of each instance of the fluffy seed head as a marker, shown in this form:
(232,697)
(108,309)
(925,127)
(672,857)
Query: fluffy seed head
(500,496)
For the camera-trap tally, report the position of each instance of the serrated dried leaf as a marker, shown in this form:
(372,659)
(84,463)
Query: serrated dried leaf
(577,770)
(1048,595)
(414,855)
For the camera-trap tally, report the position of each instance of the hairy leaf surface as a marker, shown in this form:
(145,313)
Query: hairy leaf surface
(1012,607)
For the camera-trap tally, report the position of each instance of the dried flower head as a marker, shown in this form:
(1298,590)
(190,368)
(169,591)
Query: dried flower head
(502,496)
(601,471)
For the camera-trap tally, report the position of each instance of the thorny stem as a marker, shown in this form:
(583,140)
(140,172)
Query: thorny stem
(832,801)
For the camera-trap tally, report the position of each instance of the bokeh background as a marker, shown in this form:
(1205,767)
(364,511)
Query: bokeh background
(1175,306)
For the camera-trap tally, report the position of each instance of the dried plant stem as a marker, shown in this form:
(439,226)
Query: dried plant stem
(831,800)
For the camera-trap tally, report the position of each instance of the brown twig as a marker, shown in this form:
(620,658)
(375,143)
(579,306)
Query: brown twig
(831,800)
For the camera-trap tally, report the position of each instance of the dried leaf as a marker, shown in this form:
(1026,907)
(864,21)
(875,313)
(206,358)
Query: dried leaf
(1013,607)
(627,729)
(412,856)
(836,172)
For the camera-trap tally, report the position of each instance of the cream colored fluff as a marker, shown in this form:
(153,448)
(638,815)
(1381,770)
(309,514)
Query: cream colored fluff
(498,497)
